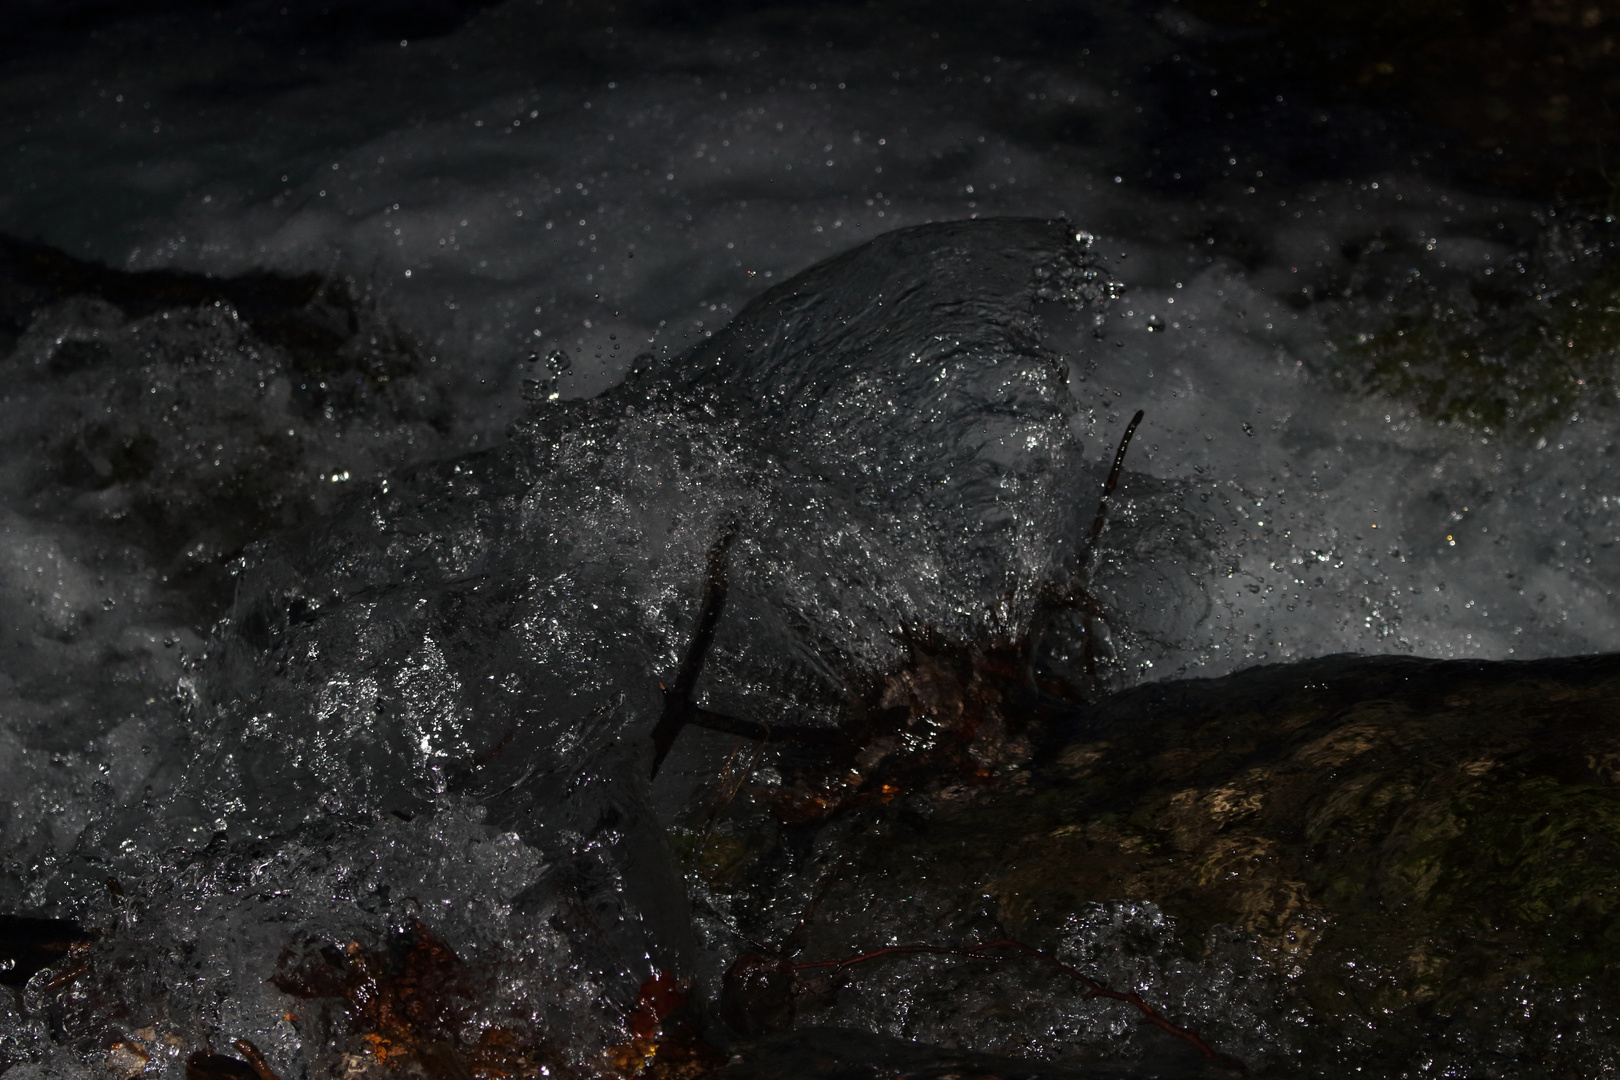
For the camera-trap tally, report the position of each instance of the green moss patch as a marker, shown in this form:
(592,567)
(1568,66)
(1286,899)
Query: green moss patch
(1521,365)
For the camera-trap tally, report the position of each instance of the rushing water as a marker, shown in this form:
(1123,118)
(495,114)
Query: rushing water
(337,600)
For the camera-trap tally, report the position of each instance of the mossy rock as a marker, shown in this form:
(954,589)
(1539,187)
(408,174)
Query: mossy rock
(1518,365)
(1410,844)
(1428,818)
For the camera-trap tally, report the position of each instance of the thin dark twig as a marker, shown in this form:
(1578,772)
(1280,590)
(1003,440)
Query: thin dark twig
(678,707)
(714,601)
(1051,596)
(1009,948)
(1108,489)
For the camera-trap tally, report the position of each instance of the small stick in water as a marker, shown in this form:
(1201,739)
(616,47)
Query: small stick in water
(678,707)
(1108,489)
(680,710)
(1050,595)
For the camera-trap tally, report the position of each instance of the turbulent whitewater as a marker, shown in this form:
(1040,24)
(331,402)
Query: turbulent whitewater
(462,666)
(421,725)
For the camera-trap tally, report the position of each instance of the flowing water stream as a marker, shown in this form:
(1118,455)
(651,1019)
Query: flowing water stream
(376,411)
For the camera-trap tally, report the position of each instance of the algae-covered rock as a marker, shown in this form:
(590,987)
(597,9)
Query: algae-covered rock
(1419,859)
(1486,358)
(1454,825)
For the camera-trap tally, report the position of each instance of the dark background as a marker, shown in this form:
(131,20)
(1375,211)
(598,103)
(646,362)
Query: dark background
(1516,96)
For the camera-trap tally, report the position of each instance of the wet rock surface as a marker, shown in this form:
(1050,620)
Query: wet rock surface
(1398,863)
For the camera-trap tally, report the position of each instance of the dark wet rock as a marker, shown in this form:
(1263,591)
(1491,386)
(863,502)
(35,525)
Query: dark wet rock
(855,1055)
(1421,857)
(189,415)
